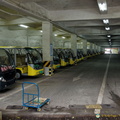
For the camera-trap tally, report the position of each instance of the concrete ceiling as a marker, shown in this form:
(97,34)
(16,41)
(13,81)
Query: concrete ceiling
(80,17)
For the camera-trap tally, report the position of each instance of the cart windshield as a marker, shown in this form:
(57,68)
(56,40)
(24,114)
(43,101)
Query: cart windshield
(56,58)
(35,55)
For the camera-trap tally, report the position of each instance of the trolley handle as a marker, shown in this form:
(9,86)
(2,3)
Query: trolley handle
(37,87)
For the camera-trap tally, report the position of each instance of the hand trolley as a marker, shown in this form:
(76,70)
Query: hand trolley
(33,100)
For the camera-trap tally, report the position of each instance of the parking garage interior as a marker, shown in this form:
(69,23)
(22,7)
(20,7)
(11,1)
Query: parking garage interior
(69,49)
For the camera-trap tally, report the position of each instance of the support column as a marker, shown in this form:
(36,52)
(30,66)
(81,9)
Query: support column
(0,115)
(91,47)
(99,49)
(96,48)
(47,46)
(80,44)
(85,47)
(61,43)
(74,44)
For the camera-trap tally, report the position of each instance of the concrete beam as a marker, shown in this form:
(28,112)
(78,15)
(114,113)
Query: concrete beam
(83,23)
(95,37)
(84,14)
(89,31)
(23,20)
(95,31)
(29,9)
(89,23)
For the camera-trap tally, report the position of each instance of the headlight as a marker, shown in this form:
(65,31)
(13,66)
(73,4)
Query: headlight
(2,79)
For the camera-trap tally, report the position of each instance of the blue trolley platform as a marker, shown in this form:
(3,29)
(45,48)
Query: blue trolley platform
(33,100)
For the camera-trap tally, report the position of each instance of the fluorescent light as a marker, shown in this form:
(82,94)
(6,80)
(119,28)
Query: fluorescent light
(55,34)
(25,26)
(105,21)
(109,39)
(102,6)
(63,37)
(107,28)
(108,36)
(41,31)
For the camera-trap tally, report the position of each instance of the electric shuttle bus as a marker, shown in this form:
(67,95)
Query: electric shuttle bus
(79,55)
(28,61)
(71,56)
(56,60)
(64,58)
(7,69)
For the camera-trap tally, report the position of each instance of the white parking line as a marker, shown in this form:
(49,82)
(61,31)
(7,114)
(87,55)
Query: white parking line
(28,86)
(101,93)
(21,89)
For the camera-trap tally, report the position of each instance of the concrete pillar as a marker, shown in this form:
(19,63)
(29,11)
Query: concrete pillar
(74,44)
(47,41)
(89,46)
(61,43)
(0,115)
(47,46)
(94,47)
(98,48)
(58,43)
(102,49)
(80,44)
(85,46)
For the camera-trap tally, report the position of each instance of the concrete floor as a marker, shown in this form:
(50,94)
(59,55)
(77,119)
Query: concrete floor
(74,85)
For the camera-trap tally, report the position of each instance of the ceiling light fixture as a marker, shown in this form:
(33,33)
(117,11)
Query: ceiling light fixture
(25,26)
(102,6)
(107,28)
(108,36)
(109,39)
(55,35)
(63,37)
(41,31)
(105,21)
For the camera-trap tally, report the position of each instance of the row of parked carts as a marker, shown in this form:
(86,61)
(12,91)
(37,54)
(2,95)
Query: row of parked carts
(34,100)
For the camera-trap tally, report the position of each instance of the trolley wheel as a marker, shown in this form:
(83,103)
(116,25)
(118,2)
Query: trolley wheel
(39,109)
(26,108)
(48,103)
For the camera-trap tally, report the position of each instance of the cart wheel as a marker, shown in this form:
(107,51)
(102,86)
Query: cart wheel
(18,74)
(39,109)
(26,108)
(48,103)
